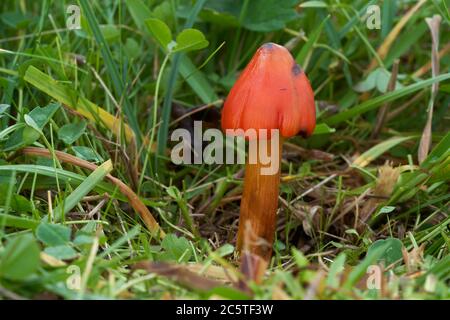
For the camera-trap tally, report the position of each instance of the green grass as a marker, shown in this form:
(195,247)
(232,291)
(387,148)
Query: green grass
(113,92)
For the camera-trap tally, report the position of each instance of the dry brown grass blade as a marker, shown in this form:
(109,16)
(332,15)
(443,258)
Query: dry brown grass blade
(425,141)
(180,274)
(220,273)
(135,202)
(381,117)
(393,35)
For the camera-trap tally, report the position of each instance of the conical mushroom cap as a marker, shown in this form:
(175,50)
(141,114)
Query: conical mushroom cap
(272,92)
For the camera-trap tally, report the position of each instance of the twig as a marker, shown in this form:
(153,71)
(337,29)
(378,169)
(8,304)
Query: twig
(381,117)
(10,295)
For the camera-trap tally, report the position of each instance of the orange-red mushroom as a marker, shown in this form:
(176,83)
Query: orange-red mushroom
(272,92)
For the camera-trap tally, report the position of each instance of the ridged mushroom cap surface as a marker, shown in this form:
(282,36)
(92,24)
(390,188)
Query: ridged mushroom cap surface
(272,92)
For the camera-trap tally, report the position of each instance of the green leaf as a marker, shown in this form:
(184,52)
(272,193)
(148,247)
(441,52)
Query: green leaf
(29,136)
(20,259)
(42,116)
(31,123)
(189,40)
(369,83)
(36,121)
(176,249)
(391,253)
(53,234)
(70,133)
(83,239)
(378,78)
(387,209)
(63,252)
(160,31)
(110,32)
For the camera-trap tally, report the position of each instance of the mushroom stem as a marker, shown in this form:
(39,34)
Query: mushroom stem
(259,203)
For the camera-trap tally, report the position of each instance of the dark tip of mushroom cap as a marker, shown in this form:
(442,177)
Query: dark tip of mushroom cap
(303,134)
(268,46)
(296,69)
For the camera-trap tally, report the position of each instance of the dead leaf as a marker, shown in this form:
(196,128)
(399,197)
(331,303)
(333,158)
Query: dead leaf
(179,274)
(425,141)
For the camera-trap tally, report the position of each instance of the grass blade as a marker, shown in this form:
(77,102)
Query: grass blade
(83,189)
(62,175)
(304,55)
(376,102)
(111,67)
